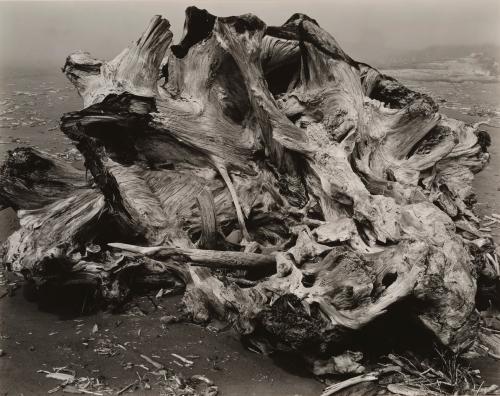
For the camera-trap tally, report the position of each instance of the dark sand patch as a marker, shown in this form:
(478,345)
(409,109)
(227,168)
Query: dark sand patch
(29,347)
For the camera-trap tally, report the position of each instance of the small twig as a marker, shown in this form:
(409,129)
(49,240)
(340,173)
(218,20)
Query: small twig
(157,365)
(89,392)
(126,388)
(182,359)
(372,376)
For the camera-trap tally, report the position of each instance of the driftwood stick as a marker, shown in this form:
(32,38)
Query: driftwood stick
(204,258)
(332,389)
(371,376)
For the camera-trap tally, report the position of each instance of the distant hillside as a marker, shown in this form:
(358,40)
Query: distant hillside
(487,55)
(474,67)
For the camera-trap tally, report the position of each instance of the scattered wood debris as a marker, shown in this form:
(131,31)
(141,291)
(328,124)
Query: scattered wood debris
(70,383)
(187,362)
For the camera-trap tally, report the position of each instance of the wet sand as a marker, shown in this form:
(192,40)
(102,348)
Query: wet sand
(29,347)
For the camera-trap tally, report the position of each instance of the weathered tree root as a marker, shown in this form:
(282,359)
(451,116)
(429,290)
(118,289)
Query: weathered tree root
(327,191)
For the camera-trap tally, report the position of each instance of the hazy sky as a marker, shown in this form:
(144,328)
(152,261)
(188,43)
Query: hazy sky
(44,33)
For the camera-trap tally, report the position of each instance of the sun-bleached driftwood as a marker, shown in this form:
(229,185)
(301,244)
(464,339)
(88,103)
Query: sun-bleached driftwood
(330,190)
(214,258)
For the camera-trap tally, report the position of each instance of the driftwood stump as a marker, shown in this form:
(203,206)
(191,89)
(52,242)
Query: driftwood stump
(293,191)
